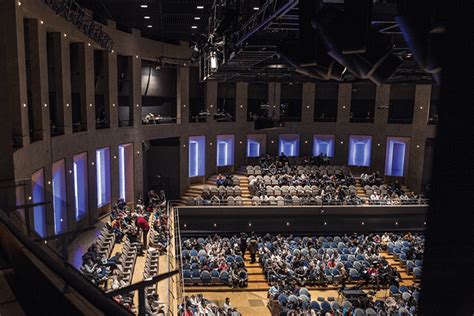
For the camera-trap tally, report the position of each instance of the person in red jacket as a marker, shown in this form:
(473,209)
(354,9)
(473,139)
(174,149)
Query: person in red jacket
(142,224)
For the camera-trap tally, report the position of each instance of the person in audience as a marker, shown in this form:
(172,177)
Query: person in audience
(253,248)
(142,224)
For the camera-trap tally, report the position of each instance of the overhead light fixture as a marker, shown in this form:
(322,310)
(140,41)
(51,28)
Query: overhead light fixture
(194,27)
(144,6)
(256,8)
(197,17)
(146,17)
(213,60)
(200,7)
(149,26)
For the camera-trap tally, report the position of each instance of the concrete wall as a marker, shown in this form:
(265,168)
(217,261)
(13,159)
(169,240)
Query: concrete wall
(32,156)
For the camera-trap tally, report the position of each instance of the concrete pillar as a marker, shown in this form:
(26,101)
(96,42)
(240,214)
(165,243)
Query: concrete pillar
(39,79)
(240,149)
(114,174)
(70,195)
(63,80)
(92,185)
(274,95)
(419,126)
(182,104)
(307,106)
(138,166)
(136,90)
(111,94)
(211,98)
(382,100)
(341,146)
(184,164)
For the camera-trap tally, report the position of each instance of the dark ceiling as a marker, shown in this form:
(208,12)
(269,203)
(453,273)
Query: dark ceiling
(170,20)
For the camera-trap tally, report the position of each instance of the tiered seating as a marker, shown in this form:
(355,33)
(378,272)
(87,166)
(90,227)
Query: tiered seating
(105,241)
(198,305)
(401,250)
(129,256)
(323,260)
(218,195)
(221,264)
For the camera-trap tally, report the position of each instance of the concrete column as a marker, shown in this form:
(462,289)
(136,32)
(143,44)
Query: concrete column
(382,100)
(63,80)
(419,126)
(182,104)
(48,197)
(211,98)
(39,79)
(111,94)
(274,94)
(114,174)
(184,164)
(70,196)
(92,185)
(341,147)
(136,90)
(240,149)
(241,92)
(307,106)
(90,87)
(138,166)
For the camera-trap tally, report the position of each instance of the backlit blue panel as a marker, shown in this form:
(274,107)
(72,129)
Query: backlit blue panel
(37,188)
(197,156)
(253,148)
(121,157)
(80,185)
(323,144)
(359,150)
(395,156)
(225,150)
(289,145)
(59,197)
(103,176)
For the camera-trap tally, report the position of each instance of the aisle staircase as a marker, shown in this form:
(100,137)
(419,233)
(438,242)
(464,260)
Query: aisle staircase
(195,190)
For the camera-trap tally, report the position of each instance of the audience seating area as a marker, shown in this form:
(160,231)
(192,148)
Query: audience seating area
(293,300)
(128,228)
(198,305)
(325,260)
(213,260)
(281,181)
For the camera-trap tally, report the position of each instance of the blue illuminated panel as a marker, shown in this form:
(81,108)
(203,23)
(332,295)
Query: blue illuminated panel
(253,148)
(289,145)
(323,144)
(256,145)
(80,185)
(39,211)
(225,150)
(103,176)
(197,156)
(359,150)
(121,157)
(59,197)
(395,156)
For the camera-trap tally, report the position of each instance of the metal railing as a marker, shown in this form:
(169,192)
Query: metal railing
(365,202)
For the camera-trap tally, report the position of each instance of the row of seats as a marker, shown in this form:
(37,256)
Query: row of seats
(128,258)
(230,200)
(222,190)
(297,190)
(329,170)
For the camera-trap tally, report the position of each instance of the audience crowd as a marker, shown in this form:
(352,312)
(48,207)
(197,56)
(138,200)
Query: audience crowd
(214,260)
(308,182)
(129,227)
(197,305)
(290,299)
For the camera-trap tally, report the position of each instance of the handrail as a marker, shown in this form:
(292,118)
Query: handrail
(366,202)
(82,286)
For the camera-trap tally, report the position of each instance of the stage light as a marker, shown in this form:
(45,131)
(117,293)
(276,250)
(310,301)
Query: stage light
(256,8)
(149,26)
(200,7)
(197,18)
(144,6)
(213,59)
(194,27)
(146,17)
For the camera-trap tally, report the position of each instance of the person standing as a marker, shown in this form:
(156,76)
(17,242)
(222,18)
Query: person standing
(142,224)
(253,248)
(243,244)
